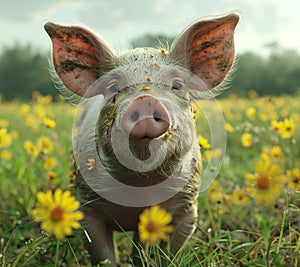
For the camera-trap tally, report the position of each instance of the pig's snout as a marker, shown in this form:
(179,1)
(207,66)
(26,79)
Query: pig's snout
(145,117)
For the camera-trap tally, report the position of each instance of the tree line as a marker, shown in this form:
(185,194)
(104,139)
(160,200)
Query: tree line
(23,70)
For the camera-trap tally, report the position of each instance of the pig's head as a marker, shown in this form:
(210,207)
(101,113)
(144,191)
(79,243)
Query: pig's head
(146,116)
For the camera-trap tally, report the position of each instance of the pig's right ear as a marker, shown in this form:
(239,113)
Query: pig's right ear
(206,48)
(79,56)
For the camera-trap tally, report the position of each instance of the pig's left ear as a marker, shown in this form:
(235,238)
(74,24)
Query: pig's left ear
(206,48)
(79,57)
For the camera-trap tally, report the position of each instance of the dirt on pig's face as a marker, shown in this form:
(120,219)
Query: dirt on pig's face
(147,122)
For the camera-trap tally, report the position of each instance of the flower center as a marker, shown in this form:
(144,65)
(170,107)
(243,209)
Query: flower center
(240,197)
(151,227)
(57,214)
(296,180)
(263,182)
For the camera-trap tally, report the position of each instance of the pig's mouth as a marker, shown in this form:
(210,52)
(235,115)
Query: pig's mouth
(141,142)
(141,147)
(145,139)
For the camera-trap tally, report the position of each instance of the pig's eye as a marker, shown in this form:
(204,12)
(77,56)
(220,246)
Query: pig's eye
(177,85)
(113,87)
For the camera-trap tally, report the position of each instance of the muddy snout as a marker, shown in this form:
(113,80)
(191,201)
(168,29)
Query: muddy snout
(145,117)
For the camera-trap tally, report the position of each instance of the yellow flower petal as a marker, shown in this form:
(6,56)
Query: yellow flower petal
(56,212)
(154,225)
(267,182)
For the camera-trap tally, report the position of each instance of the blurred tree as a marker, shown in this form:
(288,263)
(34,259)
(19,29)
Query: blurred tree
(248,75)
(278,73)
(281,73)
(22,71)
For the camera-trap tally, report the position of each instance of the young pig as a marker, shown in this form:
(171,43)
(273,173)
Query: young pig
(134,139)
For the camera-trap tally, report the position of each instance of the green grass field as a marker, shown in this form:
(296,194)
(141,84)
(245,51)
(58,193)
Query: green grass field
(248,217)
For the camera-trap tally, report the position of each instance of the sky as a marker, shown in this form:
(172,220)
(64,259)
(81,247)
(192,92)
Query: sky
(119,21)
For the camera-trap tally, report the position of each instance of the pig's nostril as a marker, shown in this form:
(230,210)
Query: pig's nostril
(157,116)
(134,117)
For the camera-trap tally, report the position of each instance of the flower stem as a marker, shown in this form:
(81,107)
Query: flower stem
(147,246)
(57,252)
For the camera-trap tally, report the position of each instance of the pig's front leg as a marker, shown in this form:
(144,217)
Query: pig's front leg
(99,241)
(185,224)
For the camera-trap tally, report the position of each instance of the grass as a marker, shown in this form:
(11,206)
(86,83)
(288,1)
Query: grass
(235,227)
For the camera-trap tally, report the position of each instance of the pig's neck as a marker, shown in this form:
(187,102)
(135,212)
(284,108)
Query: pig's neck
(138,179)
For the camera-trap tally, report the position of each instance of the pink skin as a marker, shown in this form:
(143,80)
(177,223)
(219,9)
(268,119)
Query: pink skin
(145,117)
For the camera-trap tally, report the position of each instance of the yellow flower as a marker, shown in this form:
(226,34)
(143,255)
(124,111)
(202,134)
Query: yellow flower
(238,197)
(6,155)
(275,125)
(36,95)
(49,163)
(252,94)
(39,111)
(246,140)
(287,129)
(31,148)
(49,123)
(44,100)
(212,154)
(215,192)
(294,178)
(276,152)
(24,109)
(4,123)
(265,154)
(229,128)
(266,183)
(203,142)
(284,112)
(14,134)
(33,122)
(154,225)
(52,176)
(5,138)
(57,212)
(251,113)
(44,144)
(217,196)
(263,116)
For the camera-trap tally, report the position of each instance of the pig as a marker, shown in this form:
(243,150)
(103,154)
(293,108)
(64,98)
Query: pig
(134,137)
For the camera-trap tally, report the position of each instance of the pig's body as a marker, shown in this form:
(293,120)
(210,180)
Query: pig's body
(135,139)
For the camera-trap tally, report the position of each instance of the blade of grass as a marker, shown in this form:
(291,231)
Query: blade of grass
(73,253)
(57,252)
(282,226)
(29,246)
